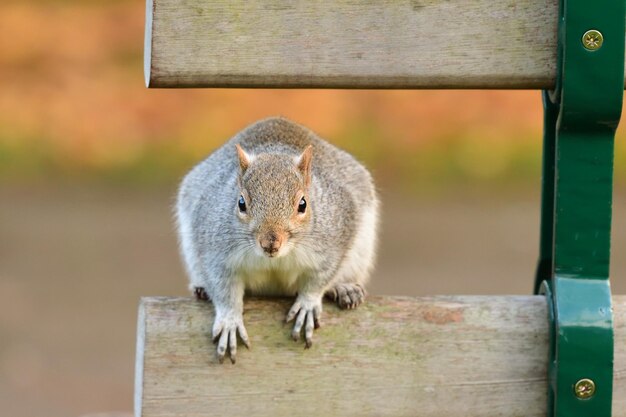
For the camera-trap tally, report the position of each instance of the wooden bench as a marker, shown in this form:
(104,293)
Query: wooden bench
(394,356)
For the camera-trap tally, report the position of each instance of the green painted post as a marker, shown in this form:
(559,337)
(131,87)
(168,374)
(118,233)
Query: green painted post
(544,268)
(588,101)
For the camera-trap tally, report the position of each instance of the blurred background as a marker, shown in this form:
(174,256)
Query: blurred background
(90,160)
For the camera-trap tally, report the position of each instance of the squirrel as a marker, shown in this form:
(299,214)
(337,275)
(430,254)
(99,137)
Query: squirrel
(277,211)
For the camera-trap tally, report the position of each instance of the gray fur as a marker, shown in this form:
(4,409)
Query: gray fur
(330,248)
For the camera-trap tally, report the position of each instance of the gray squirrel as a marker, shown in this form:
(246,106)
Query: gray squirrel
(277,211)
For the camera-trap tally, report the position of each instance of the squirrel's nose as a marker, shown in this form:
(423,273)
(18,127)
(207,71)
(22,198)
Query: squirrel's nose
(270,242)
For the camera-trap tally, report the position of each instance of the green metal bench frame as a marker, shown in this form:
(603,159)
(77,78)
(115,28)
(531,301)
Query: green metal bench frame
(581,116)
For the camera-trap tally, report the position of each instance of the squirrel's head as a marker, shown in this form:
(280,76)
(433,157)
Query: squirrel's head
(274,198)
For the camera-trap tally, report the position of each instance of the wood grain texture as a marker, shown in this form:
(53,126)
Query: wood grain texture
(351,43)
(394,356)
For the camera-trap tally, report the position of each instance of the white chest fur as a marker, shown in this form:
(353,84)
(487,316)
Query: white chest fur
(263,275)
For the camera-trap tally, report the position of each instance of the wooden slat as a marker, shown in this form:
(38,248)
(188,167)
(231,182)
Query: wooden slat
(394,356)
(351,43)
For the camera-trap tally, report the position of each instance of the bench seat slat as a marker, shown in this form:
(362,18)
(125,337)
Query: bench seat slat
(393,356)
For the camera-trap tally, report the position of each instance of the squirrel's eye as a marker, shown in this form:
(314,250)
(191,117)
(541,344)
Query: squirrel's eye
(302,205)
(242,204)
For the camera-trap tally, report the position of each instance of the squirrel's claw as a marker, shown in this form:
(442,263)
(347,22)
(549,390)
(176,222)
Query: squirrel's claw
(295,308)
(243,334)
(227,339)
(308,330)
(307,313)
(225,335)
(297,327)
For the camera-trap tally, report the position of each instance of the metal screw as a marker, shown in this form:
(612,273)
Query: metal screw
(592,40)
(585,388)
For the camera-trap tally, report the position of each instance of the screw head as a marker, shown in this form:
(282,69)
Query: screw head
(585,389)
(592,40)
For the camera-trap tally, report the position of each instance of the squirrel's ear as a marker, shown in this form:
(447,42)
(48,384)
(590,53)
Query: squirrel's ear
(304,164)
(244,158)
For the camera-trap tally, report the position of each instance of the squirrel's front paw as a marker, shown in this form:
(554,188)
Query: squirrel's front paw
(307,312)
(347,295)
(225,331)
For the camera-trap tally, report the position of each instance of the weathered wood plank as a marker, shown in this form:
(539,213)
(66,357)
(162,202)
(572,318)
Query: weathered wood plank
(350,43)
(394,356)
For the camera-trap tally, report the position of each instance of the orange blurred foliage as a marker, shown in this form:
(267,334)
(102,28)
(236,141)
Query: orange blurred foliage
(73,91)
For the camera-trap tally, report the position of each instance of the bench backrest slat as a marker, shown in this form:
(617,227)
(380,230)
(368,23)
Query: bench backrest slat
(351,43)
